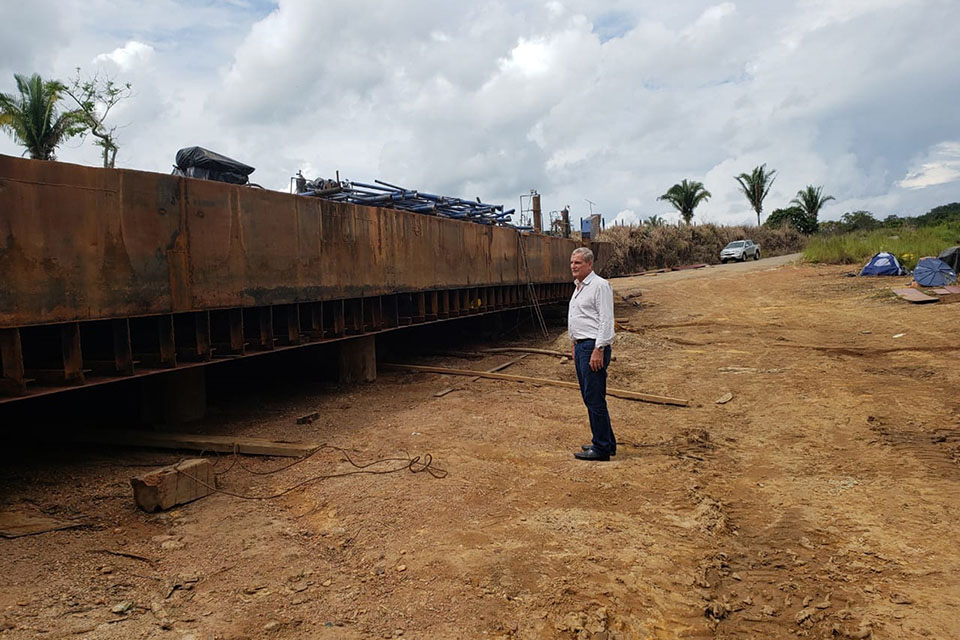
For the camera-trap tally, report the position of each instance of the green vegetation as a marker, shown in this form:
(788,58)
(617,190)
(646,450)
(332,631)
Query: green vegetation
(755,186)
(34,120)
(810,200)
(908,244)
(864,220)
(95,97)
(685,197)
(792,217)
(653,247)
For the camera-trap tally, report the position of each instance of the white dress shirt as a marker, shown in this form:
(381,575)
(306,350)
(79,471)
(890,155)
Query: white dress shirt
(590,315)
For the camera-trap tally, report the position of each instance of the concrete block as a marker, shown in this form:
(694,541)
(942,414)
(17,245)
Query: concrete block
(177,484)
(358,360)
(175,397)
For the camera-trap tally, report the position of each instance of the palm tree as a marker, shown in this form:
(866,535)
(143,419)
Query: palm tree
(685,197)
(810,201)
(655,221)
(33,118)
(756,185)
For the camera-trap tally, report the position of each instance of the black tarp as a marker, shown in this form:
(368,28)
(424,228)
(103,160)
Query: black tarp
(952,257)
(197,162)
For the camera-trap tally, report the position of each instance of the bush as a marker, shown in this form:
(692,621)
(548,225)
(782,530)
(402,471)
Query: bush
(908,244)
(646,247)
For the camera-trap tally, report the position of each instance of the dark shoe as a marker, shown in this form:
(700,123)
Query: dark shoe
(590,446)
(591,454)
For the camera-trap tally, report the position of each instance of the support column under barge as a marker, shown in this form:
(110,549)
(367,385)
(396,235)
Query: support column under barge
(109,273)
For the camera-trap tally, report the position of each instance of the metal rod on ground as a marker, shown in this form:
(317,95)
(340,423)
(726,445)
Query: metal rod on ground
(500,367)
(617,393)
(545,352)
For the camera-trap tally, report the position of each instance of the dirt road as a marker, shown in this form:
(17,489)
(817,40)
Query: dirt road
(820,501)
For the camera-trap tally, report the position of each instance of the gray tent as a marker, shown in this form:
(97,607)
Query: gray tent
(952,257)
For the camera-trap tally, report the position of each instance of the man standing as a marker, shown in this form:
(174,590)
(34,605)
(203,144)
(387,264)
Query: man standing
(590,325)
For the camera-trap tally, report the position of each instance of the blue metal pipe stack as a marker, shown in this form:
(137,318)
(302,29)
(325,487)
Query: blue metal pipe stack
(391,196)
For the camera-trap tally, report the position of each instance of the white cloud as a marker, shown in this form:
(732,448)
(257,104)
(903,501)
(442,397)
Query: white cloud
(579,99)
(940,166)
(128,56)
(626,217)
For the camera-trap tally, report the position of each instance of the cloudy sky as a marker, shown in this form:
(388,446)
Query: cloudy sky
(607,101)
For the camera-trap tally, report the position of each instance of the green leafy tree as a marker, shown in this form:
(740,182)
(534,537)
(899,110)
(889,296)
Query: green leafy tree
(811,200)
(793,217)
(756,185)
(34,120)
(95,97)
(892,221)
(859,221)
(938,215)
(655,221)
(685,197)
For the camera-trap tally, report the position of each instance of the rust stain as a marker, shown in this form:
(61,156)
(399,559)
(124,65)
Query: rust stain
(83,243)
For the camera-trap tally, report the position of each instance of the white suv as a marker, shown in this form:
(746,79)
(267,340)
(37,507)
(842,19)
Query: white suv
(740,250)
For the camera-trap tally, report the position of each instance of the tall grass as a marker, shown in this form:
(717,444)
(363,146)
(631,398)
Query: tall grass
(644,247)
(908,244)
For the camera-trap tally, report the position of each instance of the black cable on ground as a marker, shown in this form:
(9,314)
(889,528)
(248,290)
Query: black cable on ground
(414,464)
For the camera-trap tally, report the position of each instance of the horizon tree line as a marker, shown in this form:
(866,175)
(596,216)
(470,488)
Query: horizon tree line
(803,211)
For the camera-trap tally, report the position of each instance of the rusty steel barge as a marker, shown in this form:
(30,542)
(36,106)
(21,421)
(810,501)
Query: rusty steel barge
(107,274)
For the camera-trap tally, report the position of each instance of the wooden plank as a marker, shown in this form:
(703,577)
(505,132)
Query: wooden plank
(167,487)
(948,294)
(194,442)
(499,367)
(913,295)
(617,393)
(14,524)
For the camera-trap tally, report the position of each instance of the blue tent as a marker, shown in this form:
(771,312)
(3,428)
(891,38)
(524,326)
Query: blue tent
(932,272)
(883,264)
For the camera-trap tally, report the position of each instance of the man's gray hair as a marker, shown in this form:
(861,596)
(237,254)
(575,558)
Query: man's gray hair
(585,253)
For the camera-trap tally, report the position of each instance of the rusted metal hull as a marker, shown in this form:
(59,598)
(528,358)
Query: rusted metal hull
(115,273)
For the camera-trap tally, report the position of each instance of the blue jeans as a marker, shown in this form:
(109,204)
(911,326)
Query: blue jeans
(593,388)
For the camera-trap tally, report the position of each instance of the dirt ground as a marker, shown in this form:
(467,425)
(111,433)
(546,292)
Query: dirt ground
(819,502)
